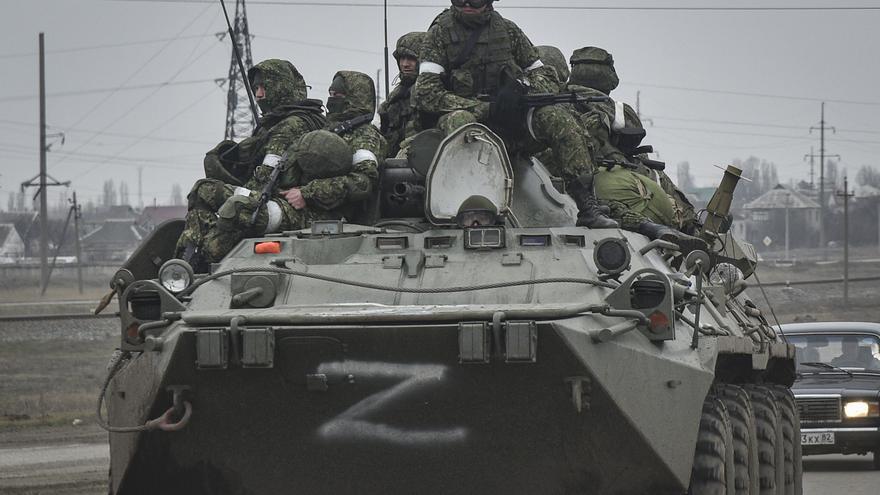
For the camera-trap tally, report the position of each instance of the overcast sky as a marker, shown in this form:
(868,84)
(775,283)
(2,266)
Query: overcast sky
(716,84)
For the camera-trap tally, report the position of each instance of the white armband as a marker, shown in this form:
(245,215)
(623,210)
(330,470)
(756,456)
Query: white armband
(242,191)
(274,217)
(271,160)
(619,116)
(431,68)
(362,156)
(537,65)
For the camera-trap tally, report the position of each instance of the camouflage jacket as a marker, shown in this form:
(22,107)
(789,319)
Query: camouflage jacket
(367,144)
(446,83)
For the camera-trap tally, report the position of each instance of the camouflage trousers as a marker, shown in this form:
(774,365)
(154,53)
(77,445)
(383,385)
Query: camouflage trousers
(551,127)
(219,217)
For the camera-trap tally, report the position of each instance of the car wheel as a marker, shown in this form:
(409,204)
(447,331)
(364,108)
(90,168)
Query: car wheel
(791,434)
(745,437)
(713,469)
(770,458)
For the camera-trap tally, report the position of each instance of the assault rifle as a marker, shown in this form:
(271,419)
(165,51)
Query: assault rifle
(267,192)
(537,100)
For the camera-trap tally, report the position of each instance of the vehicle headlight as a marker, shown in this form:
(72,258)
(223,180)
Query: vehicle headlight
(176,275)
(861,409)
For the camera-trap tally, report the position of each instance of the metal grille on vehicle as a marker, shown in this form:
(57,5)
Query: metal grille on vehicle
(819,409)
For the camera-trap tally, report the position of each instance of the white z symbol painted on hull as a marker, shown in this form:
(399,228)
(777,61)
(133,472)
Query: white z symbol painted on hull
(350,426)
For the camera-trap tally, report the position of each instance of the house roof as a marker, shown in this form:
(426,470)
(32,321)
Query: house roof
(115,232)
(781,197)
(158,214)
(5,230)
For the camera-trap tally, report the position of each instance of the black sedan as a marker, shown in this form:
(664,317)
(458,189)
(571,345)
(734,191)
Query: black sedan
(838,387)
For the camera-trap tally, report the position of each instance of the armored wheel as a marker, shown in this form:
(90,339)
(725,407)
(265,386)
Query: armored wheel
(790,430)
(770,450)
(713,472)
(745,437)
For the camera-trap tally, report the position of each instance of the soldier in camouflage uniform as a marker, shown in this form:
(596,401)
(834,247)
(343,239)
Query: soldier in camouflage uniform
(397,114)
(236,173)
(642,199)
(465,53)
(351,107)
(553,57)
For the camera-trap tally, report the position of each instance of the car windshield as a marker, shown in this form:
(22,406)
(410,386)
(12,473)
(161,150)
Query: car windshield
(851,352)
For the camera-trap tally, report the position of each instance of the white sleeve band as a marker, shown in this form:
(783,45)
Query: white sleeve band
(529,118)
(619,116)
(271,160)
(274,217)
(537,65)
(242,191)
(362,156)
(431,68)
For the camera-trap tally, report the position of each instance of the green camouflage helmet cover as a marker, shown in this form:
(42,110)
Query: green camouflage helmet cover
(283,83)
(360,95)
(321,155)
(553,57)
(408,45)
(593,67)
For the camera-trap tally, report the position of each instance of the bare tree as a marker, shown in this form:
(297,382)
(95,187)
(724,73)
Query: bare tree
(868,176)
(123,193)
(109,198)
(685,178)
(176,195)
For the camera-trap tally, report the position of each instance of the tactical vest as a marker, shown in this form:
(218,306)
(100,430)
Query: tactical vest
(479,71)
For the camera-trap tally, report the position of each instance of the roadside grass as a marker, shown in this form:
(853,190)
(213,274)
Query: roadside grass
(51,382)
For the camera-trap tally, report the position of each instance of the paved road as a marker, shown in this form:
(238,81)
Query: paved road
(82,468)
(839,474)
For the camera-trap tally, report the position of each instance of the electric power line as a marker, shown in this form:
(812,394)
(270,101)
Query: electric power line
(80,92)
(98,47)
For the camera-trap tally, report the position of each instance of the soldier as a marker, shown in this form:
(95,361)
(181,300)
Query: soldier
(465,53)
(552,56)
(351,106)
(642,199)
(222,205)
(397,114)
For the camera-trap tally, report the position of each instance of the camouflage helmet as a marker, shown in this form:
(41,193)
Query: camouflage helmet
(553,57)
(322,154)
(593,67)
(409,45)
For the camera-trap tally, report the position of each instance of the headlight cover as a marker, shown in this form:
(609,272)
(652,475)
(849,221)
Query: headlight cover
(861,409)
(175,276)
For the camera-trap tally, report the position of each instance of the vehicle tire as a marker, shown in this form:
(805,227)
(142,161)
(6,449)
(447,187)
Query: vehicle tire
(769,438)
(790,425)
(877,459)
(713,469)
(745,437)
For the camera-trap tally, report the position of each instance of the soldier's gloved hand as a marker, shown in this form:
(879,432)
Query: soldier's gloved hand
(295,198)
(507,111)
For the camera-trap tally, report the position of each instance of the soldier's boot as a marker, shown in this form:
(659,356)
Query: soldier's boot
(686,243)
(591,213)
(192,254)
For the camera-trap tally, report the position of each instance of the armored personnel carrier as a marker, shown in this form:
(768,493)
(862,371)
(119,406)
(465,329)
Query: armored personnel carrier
(472,340)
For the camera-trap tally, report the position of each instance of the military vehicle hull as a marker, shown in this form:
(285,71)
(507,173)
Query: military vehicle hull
(514,357)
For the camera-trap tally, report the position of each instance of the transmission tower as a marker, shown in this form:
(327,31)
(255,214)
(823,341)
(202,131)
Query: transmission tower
(239,119)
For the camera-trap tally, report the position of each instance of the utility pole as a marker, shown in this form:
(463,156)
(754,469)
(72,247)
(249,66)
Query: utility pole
(639,109)
(77,214)
(239,117)
(378,90)
(822,236)
(812,157)
(140,188)
(387,82)
(845,195)
(40,181)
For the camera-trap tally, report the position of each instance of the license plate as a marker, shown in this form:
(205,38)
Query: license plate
(818,438)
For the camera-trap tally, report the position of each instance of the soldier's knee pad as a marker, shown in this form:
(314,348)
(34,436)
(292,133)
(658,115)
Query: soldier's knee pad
(207,194)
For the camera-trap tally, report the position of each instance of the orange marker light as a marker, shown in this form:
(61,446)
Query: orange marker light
(267,248)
